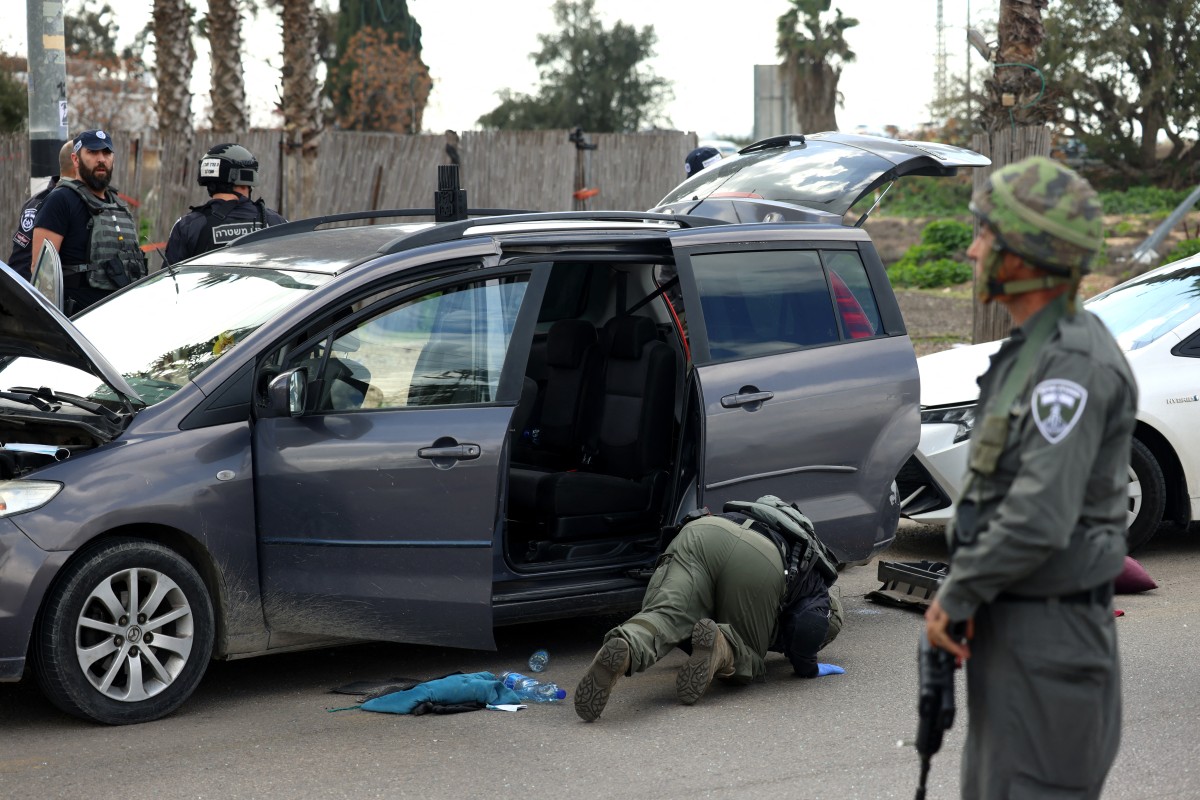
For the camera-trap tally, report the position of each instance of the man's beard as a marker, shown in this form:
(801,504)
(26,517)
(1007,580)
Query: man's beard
(89,177)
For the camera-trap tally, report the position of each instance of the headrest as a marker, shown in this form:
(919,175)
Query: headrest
(568,341)
(628,335)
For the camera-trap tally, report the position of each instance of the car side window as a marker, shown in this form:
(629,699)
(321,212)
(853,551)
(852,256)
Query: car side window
(445,347)
(759,303)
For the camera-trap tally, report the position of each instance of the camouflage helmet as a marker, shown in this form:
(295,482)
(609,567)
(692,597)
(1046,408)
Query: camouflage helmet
(1044,212)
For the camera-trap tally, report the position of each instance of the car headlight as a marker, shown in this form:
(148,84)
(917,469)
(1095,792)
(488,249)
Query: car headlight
(19,496)
(962,416)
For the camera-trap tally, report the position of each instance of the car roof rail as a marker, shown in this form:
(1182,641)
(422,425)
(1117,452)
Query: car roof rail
(312,223)
(452,231)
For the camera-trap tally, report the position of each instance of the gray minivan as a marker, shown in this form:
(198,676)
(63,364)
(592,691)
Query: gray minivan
(416,432)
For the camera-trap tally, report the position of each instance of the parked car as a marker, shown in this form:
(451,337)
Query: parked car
(1156,320)
(416,432)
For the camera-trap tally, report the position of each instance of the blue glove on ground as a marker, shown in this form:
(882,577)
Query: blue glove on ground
(829,669)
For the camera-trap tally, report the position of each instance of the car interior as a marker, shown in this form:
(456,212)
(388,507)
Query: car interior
(595,435)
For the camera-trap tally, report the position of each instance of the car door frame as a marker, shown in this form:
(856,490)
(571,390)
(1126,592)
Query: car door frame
(845,499)
(302,598)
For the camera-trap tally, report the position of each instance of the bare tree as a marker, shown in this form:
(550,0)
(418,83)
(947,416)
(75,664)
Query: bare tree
(301,101)
(813,54)
(1013,120)
(223,25)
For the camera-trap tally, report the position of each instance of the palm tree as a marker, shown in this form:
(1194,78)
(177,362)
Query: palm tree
(1014,120)
(301,101)
(224,24)
(173,58)
(1017,79)
(813,55)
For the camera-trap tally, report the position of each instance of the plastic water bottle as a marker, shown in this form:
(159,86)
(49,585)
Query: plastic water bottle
(532,689)
(538,661)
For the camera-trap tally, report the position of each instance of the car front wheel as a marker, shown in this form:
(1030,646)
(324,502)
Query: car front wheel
(1147,496)
(126,634)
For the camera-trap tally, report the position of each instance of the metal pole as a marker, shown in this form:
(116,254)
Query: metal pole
(47,55)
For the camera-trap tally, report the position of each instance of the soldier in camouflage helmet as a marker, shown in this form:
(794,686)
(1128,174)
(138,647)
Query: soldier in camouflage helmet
(1039,532)
(1044,213)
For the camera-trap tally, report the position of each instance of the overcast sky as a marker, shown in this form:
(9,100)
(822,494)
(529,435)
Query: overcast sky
(707,50)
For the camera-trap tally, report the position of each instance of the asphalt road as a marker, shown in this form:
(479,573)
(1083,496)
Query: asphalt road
(260,728)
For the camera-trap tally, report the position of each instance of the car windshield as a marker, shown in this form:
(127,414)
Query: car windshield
(1142,310)
(170,328)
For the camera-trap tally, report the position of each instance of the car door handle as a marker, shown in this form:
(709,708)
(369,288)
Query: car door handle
(745,399)
(461,452)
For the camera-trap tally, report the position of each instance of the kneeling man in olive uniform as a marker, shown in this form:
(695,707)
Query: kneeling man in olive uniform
(727,589)
(1039,533)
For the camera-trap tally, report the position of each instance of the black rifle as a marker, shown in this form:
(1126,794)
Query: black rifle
(936,702)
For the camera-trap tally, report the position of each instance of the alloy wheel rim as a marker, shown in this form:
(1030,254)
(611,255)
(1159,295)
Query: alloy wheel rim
(134,634)
(1135,497)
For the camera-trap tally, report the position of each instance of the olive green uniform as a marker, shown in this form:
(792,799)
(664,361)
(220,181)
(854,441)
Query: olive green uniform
(713,569)
(1037,544)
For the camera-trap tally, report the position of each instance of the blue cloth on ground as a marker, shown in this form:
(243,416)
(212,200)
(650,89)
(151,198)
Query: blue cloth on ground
(483,687)
(829,669)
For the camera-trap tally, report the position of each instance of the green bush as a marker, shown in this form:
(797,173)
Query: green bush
(1188,247)
(1122,228)
(1143,200)
(932,263)
(930,274)
(950,235)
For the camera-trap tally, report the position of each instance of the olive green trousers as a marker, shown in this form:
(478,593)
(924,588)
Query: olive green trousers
(713,569)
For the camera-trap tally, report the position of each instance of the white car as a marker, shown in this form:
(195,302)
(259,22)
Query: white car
(1156,319)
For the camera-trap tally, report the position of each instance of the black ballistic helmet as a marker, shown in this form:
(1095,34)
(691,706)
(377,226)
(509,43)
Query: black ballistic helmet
(227,165)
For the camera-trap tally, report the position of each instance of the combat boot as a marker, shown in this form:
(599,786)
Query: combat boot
(610,663)
(711,656)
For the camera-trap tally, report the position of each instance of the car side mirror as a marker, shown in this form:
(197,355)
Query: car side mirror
(286,393)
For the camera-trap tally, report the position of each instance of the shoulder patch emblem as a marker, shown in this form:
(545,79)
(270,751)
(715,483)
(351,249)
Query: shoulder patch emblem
(1057,405)
(27,218)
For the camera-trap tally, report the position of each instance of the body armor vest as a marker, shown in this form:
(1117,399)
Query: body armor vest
(114,257)
(221,229)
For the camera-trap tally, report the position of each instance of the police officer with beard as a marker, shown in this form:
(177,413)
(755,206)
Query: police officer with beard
(90,227)
(1039,533)
(228,171)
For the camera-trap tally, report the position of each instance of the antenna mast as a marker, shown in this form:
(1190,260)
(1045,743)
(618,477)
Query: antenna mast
(941,99)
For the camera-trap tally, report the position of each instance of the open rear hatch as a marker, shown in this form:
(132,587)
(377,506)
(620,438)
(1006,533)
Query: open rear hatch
(826,173)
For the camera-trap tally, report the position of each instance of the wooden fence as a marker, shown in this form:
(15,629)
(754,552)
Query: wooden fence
(533,170)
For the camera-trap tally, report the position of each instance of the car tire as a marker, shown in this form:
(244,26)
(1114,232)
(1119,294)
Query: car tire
(1147,496)
(125,635)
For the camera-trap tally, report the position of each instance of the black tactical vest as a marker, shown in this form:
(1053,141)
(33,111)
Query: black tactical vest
(221,229)
(114,257)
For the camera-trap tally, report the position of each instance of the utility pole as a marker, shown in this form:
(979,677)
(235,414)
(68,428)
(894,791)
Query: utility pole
(939,76)
(1013,120)
(46,53)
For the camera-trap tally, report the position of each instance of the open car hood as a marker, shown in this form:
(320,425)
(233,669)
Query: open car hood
(32,327)
(827,172)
